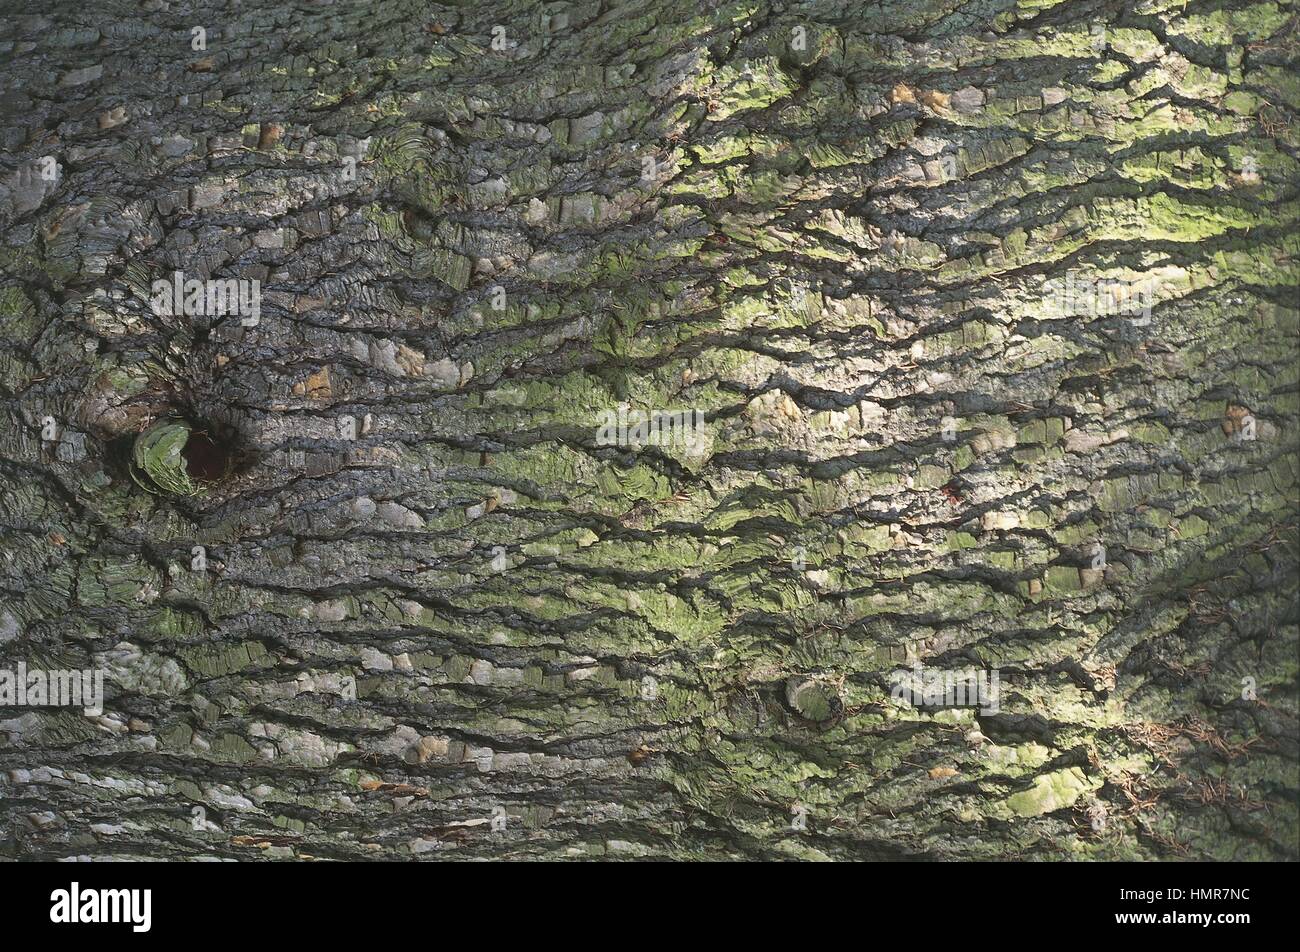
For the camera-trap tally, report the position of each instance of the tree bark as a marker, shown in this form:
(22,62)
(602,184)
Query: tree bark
(859,238)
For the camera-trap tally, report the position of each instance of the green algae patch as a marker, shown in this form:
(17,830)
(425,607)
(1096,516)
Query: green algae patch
(158,461)
(756,85)
(1050,792)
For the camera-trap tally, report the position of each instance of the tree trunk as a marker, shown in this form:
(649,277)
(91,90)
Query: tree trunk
(413,590)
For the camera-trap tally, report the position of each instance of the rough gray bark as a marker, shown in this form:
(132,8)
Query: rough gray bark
(834,228)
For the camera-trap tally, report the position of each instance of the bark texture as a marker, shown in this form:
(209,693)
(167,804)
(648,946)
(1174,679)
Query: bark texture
(462,627)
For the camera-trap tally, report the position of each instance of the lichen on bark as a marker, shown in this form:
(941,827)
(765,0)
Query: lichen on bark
(420,610)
